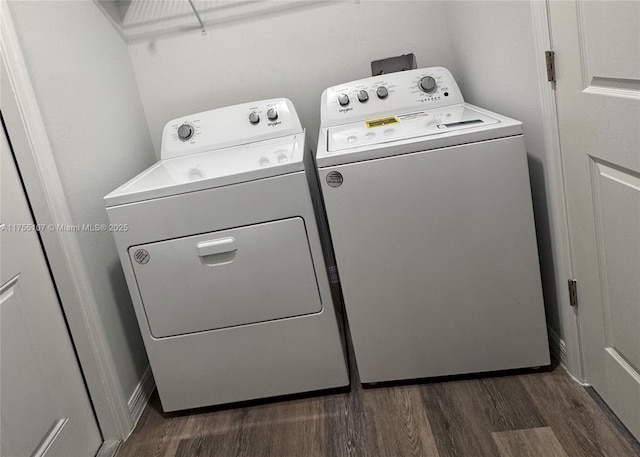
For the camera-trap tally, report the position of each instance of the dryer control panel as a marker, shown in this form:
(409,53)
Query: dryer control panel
(387,95)
(229,126)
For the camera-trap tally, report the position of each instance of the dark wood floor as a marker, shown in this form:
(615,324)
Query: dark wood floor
(542,414)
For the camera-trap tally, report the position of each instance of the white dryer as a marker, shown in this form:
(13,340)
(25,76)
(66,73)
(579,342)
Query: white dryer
(223,259)
(430,213)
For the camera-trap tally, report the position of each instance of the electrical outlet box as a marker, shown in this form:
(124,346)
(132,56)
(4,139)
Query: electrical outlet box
(394,64)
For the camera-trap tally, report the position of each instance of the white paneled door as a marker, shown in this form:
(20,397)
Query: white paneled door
(44,406)
(597,47)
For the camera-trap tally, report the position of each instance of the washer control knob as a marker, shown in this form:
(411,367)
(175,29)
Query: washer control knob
(427,84)
(185,131)
(363,96)
(343,99)
(254,117)
(272,114)
(382,92)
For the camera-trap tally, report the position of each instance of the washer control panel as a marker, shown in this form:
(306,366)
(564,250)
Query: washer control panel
(229,126)
(423,88)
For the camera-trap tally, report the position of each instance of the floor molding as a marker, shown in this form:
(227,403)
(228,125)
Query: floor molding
(140,396)
(557,346)
(109,448)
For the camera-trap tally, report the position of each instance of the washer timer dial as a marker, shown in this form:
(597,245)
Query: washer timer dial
(427,84)
(185,131)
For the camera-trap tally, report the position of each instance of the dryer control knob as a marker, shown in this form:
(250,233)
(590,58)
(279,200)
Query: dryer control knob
(343,99)
(185,131)
(427,84)
(272,114)
(382,92)
(254,117)
(363,96)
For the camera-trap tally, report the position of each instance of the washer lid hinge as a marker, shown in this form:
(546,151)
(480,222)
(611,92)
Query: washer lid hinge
(550,58)
(573,292)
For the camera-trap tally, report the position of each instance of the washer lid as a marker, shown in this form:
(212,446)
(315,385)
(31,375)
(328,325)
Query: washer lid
(211,169)
(411,132)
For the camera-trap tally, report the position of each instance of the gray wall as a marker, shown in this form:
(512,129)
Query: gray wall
(495,66)
(294,54)
(83,80)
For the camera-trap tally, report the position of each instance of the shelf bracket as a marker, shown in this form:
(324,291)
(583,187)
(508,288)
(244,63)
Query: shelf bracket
(195,11)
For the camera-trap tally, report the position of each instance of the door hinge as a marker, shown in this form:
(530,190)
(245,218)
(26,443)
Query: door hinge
(550,58)
(573,292)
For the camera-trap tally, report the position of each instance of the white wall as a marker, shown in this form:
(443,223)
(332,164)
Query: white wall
(295,54)
(82,77)
(495,66)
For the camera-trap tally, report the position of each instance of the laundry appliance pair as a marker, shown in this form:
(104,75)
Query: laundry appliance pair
(230,263)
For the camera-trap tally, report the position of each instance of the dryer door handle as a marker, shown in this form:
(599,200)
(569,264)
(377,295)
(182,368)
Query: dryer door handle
(219,246)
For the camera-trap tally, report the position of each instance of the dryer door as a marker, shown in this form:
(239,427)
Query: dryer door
(226,278)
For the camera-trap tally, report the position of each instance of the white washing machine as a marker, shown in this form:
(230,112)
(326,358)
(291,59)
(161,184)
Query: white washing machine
(220,248)
(430,213)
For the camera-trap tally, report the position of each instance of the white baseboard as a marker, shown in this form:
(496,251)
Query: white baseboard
(140,396)
(108,448)
(557,346)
